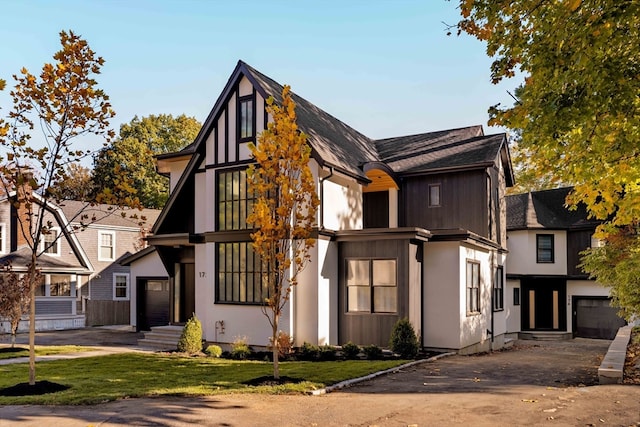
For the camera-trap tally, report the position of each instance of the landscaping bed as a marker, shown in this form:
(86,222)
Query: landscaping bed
(632,361)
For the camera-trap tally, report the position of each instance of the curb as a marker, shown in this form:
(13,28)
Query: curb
(348,383)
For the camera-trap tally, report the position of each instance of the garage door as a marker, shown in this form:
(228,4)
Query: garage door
(154,305)
(595,318)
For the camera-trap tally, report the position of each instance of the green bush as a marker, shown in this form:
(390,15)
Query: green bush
(308,352)
(213,351)
(191,337)
(350,351)
(327,353)
(403,339)
(373,352)
(240,350)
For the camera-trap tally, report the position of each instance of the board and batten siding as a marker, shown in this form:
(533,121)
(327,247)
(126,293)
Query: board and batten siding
(463,202)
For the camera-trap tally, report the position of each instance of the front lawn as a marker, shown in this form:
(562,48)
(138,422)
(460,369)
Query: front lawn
(8,352)
(104,378)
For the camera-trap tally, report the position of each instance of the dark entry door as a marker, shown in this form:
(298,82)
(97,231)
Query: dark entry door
(595,318)
(544,307)
(153,302)
(187,292)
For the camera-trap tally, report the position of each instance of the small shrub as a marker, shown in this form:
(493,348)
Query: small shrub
(213,351)
(373,352)
(404,340)
(308,352)
(191,337)
(350,351)
(240,350)
(327,353)
(285,345)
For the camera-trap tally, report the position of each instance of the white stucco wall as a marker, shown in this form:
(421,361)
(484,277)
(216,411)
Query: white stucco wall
(342,204)
(474,327)
(522,253)
(176,169)
(149,266)
(512,312)
(582,288)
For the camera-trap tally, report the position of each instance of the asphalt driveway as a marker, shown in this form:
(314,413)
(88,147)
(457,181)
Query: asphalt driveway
(535,383)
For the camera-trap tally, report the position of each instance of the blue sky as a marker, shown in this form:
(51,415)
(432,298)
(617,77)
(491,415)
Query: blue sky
(386,68)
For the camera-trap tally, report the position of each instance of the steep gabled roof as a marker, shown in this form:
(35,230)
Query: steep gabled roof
(545,209)
(108,215)
(334,143)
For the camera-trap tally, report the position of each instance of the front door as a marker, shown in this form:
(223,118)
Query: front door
(543,305)
(187,292)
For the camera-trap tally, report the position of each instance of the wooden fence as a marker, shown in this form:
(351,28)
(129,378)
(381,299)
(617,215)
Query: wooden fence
(107,313)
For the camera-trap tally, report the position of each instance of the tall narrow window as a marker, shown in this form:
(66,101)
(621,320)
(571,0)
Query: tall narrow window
(51,242)
(3,238)
(106,246)
(240,276)
(473,287)
(544,248)
(434,195)
(245,117)
(498,290)
(234,201)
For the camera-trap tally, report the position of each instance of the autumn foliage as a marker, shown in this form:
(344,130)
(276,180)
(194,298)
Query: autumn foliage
(284,212)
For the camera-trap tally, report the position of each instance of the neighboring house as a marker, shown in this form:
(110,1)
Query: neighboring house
(547,292)
(79,267)
(412,226)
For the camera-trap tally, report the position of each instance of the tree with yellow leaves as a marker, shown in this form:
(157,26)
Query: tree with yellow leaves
(577,113)
(284,212)
(65,102)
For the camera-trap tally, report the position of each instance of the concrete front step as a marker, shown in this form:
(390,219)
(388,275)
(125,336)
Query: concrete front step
(545,336)
(161,338)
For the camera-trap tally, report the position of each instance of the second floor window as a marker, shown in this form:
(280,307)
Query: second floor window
(544,248)
(51,242)
(245,118)
(107,246)
(434,195)
(234,201)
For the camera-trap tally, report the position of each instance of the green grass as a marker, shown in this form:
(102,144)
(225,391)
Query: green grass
(105,378)
(23,351)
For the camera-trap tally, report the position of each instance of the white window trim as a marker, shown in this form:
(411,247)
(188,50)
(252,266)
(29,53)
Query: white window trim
(126,298)
(3,237)
(58,242)
(113,242)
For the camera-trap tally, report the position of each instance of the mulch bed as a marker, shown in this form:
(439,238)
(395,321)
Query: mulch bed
(39,388)
(632,362)
(7,350)
(270,381)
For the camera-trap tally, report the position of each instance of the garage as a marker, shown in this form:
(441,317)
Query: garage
(153,302)
(593,317)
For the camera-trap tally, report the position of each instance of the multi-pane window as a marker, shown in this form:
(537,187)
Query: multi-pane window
(106,246)
(51,242)
(60,285)
(473,287)
(434,195)
(544,248)
(498,290)
(240,276)
(516,296)
(234,201)
(245,118)
(372,285)
(120,286)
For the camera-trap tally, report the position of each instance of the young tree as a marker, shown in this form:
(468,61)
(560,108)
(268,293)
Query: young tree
(15,297)
(577,110)
(284,211)
(65,102)
(132,152)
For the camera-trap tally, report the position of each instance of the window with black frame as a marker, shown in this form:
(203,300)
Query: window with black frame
(372,286)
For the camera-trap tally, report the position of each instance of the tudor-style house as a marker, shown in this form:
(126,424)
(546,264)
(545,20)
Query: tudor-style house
(548,295)
(83,283)
(411,226)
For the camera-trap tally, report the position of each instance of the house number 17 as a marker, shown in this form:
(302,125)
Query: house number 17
(202,273)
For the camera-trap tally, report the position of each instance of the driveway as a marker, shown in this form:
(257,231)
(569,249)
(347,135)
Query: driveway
(534,383)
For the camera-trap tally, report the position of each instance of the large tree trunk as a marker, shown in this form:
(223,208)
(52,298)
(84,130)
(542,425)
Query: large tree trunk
(32,320)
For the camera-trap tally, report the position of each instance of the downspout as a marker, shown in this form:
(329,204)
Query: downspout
(322,180)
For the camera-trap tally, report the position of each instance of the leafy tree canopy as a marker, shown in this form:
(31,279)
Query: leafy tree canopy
(131,154)
(578,110)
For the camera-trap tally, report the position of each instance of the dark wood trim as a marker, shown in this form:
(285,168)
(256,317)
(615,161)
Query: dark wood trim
(215,144)
(230,164)
(226,133)
(412,233)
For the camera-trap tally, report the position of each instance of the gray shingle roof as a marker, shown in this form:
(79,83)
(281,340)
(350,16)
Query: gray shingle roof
(545,209)
(21,258)
(437,150)
(108,214)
